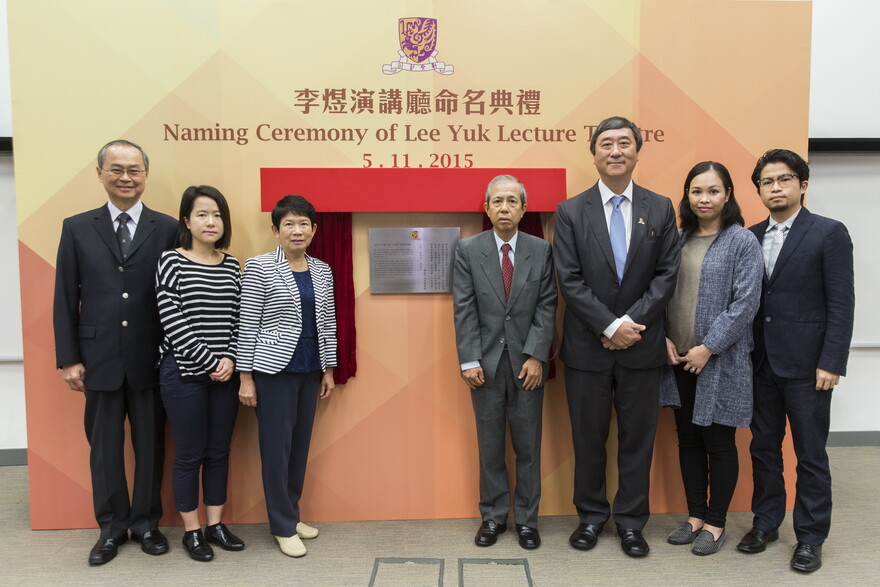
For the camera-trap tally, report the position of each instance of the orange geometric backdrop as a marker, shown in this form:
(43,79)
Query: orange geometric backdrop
(708,79)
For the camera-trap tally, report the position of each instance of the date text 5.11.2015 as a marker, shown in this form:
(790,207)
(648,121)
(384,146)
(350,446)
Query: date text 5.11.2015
(434,160)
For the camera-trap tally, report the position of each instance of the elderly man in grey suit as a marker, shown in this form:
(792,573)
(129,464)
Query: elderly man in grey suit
(617,256)
(504,295)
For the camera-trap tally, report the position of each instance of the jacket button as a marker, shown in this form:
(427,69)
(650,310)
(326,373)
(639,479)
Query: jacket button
(502,341)
(768,319)
(125,296)
(120,269)
(124,323)
(507,317)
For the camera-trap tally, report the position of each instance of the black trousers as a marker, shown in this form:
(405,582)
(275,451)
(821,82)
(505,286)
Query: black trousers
(809,415)
(707,455)
(286,405)
(634,395)
(202,414)
(104,419)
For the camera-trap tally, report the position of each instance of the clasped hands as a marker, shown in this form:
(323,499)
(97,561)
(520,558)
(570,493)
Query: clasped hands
(531,374)
(693,361)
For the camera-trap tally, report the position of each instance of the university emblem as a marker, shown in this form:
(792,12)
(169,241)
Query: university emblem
(418,47)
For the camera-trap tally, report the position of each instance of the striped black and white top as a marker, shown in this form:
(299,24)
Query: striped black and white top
(198,309)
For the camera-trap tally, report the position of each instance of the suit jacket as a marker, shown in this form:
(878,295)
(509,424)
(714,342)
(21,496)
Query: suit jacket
(270,319)
(485,320)
(105,311)
(588,278)
(805,320)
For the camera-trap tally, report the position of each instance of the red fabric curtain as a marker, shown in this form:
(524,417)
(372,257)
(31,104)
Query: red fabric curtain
(332,244)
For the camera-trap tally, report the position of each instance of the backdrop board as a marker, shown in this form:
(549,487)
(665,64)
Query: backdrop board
(219,92)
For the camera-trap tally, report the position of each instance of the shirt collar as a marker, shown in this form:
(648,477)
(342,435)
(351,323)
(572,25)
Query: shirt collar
(788,222)
(607,194)
(511,242)
(134,212)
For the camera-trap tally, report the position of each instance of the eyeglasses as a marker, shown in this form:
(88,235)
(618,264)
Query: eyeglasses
(783,180)
(119,171)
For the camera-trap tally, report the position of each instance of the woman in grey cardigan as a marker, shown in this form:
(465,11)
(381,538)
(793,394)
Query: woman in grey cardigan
(709,323)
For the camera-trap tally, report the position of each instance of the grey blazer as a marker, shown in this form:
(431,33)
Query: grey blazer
(727,301)
(485,321)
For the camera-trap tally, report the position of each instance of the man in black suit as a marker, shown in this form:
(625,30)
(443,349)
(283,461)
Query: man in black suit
(617,256)
(802,336)
(504,297)
(107,337)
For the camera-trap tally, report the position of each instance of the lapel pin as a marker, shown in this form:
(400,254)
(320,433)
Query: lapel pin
(641,220)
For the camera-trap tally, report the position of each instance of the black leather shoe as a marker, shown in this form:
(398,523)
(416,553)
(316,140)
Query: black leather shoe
(105,550)
(633,543)
(756,540)
(488,533)
(198,548)
(806,558)
(152,542)
(528,537)
(219,534)
(585,536)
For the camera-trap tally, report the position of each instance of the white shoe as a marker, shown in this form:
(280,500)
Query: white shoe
(306,531)
(291,546)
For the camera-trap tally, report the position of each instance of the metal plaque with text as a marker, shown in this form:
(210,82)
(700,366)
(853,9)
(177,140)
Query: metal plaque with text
(412,260)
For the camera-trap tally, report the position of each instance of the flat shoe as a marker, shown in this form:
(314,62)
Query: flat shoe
(291,546)
(806,558)
(306,531)
(220,535)
(196,546)
(633,543)
(684,534)
(755,540)
(705,543)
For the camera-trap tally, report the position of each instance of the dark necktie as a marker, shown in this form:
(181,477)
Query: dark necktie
(506,268)
(123,235)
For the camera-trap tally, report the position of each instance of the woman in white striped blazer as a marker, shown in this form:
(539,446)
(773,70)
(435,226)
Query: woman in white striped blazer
(286,355)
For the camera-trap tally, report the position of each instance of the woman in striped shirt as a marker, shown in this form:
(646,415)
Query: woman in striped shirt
(198,286)
(286,355)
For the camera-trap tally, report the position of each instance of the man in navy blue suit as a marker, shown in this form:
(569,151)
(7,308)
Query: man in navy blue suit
(802,337)
(107,336)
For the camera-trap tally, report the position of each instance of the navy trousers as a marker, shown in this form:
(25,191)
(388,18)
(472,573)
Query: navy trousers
(285,413)
(202,415)
(809,415)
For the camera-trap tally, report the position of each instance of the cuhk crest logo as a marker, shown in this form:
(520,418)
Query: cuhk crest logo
(418,48)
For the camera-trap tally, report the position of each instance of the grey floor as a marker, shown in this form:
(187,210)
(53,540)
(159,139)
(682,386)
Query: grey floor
(442,552)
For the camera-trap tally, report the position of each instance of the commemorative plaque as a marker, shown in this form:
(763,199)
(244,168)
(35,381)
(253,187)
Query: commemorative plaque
(412,260)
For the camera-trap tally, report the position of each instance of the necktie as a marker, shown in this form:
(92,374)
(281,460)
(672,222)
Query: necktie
(617,232)
(506,268)
(123,235)
(775,247)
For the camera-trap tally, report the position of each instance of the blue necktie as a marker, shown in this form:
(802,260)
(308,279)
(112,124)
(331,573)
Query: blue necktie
(618,237)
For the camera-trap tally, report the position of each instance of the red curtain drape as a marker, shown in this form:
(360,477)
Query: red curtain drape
(332,244)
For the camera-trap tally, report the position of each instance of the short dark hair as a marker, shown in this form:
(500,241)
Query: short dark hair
(614,123)
(296,205)
(794,161)
(102,154)
(187,202)
(730,214)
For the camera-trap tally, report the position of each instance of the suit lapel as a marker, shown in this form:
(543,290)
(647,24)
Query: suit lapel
(758,230)
(491,265)
(798,231)
(594,216)
(639,221)
(104,226)
(319,283)
(522,266)
(286,274)
(146,226)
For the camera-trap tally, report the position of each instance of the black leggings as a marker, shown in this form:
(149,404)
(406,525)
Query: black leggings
(708,457)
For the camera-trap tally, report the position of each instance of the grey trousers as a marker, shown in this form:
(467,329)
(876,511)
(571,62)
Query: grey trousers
(495,406)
